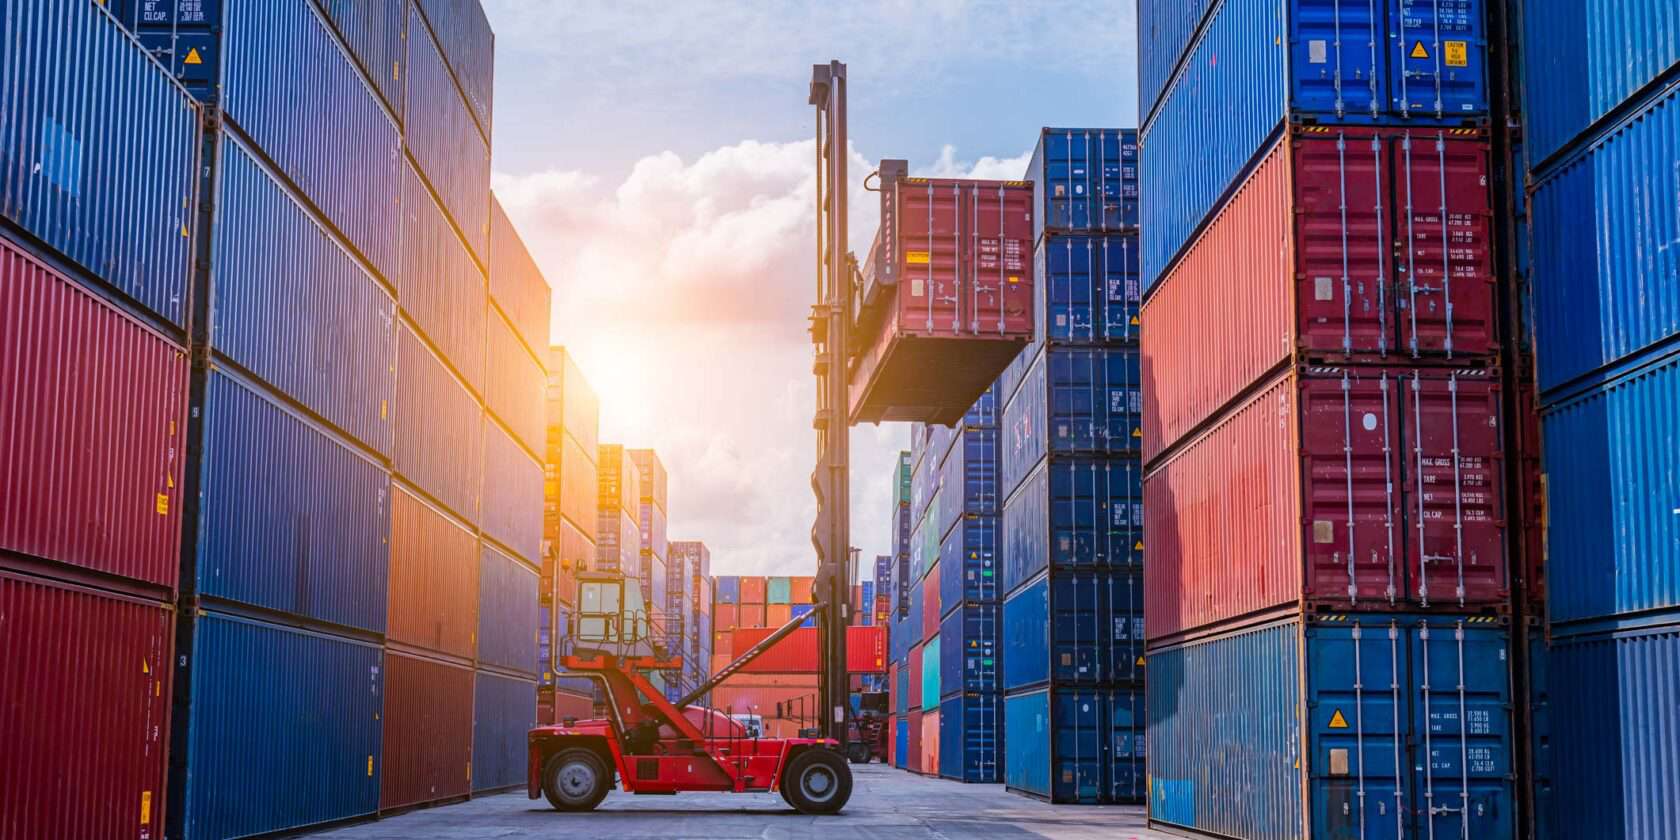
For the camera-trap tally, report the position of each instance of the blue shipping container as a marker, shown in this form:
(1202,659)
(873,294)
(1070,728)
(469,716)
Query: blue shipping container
(464,36)
(1606,275)
(513,495)
(504,710)
(507,611)
(1075,745)
(1073,513)
(443,139)
(440,287)
(971,738)
(1164,30)
(1074,628)
(1612,531)
(728,590)
(181,35)
(439,429)
(1072,401)
(901,742)
(291,517)
(969,652)
(517,284)
(309,716)
(1407,723)
(968,564)
(804,609)
(969,480)
(81,98)
(292,306)
(373,32)
(1090,289)
(1085,180)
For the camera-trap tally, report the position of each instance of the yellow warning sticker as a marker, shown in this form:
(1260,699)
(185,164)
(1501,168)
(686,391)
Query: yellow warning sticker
(916,257)
(1337,721)
(384,408)
(1419,50)
(1137,433)
(1139,546)
(162,505)
(1140,662)
(145,807)
(145,667)
(370,766)
(193,57)
(1134,320)
(1457,53)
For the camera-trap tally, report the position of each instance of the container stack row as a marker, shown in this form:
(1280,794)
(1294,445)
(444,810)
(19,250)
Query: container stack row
(689,561)
(748,602)
(1324,433)
(571,490)
(618,532)
(898,616)
(1600,123)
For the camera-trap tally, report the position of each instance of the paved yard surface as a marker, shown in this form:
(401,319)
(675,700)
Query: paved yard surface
(886,805)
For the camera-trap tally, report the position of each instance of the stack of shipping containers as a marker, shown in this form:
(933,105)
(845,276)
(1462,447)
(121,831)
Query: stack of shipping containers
(781,685)
(898,633)
(917,627)
(650,566)
(1070,476)
(695,560)
(570,494)
(1601,131)
(618,536)
(1327,581)
(679,611)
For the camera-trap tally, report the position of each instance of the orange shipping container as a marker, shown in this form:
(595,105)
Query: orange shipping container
(930,743)
(753,590)
(723,644)
(801,587)
(776,615)
(433,589)
(750,615)
(726,618)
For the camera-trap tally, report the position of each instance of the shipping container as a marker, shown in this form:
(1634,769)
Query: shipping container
(785,710)
(373,33)
(947,295)
(572,553)
(441,289)
(514,382)
(725,618)
(620,487)
(1073,513)
(1358,488)
(571,485)
(517,285)
(654,482)
(1351,244)
(654,529)
(971,738)
(504,710)
(78,372)
(799,652)
(970,651)
(468,46)
(572,403)
(1398,724)
(917,663)
(310,716)
(753,590)
(294,307)
(898,740)
(970,480)
(799,589)
(1075,745)
(507,612)
(1166,29)
(434,579)
(1074,628)
(904,701)
(291,518)
(428,733)
(1091,289)
(805,610)
(1085,181)
(913,762)
(1071,401)
(930,742)
(439,428)
(349,164)
(750,615)
(442,139)
(513,494)
(931,666)
(779,590)
(776,615)
(728,590)
(81,95)
(85,674)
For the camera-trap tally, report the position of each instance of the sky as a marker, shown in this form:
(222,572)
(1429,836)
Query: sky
(657,159)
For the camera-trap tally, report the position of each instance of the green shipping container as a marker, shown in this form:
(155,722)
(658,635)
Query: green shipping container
(903,483)
(930,674)
(780,591)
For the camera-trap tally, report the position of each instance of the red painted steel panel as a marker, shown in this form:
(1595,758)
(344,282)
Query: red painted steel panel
(892,687)
(91,413)
(1335,487)
(930,603)
(798,706)
(753,590)
(567,704)
(800,651)
(800,587)
(1532,512)
(930,742)
(913,762)
(776,615)
(724,618)
(915,700)
(892,740)
(1331,251)
(749,615)
(434,577)
(85,687)
(428,732)
(723,644)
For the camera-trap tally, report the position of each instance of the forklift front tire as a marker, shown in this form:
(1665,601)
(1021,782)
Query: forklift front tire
(817,781)
(576,780)
(857,753)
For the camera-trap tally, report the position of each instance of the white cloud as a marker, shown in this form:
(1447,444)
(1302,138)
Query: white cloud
(988,168)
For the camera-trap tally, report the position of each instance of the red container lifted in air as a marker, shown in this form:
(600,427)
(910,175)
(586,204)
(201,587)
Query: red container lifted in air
(947,298)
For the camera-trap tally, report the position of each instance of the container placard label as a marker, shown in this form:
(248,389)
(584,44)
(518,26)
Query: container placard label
(1457,53)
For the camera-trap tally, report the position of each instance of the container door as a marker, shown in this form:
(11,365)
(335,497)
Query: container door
(1344,281)
(996,298)
(1360,676)
(1443,218)
(933,242)
(1122,285)
(1461,770)
(1350,452)
(1336,53)
(1439,54)
(1454,496)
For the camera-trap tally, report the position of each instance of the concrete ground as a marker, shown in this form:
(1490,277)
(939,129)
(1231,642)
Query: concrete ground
(886,804)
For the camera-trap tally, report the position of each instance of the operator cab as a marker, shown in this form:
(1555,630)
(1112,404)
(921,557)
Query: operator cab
(612,616)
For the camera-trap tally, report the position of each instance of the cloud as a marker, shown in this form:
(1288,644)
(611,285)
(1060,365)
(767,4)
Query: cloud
(988,168)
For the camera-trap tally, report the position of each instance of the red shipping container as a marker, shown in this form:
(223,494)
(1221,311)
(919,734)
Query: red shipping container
(569,553)
(85,684)
(1318,258)
(800,652)
(92,413)
(749,615)
(723,644)
(1336,487)
(913,762)
(798,705)
(800,588)
(930,603)
(771,681)
(892,687)
(433,587)
(776,615)
(753,590)
(567,704)
(428,733)
(947,300)
(892,740)
(726,617)
(930,742)
(915,700)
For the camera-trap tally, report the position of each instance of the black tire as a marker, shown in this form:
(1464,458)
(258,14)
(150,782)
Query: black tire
(576,780)
(857,753)
(817,781)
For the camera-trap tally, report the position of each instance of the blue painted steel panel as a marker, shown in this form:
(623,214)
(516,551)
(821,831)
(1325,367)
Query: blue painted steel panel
(901,742)
(1165,29)
(445,142)
(902,698)
(968,564)
(349,160)
(1584,58)
(913,621)
(513,494)
(507,611)
(1085,628)
(80,98)
(1072,401)
(1075,745)
(1084,180)
(504,710)
(1387,700)
(439,429)
(514,384)
(291,305)
(1089,289)
(291,518)
(969,479)
(728,590)
(180,34)
(1606,273)
(804,609)
(1612,531)
(517,285)
(1608,760)
(971,738)
(1026,636)
(373,32)
(1074,513)
(968,656)
(440,287)
(303,707)
(464,37)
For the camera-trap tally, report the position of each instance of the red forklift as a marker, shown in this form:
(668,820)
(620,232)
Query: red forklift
(649,745)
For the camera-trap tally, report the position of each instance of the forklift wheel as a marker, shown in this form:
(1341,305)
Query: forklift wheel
(817,781)
(857,753)
(575,780)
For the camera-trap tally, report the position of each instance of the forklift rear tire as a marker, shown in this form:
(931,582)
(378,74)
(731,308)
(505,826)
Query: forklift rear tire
(857,753)
(576,780)
(817,781)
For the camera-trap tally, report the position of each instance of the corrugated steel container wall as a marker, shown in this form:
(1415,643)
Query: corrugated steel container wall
(513,383)
(1586,60)
(442,138)
(918,663)
(434,577)
(504,710)
(749,615)
(620,487)
(654,480)
(1609,761)
(930,741)
(1073,513)
(799,589)
(512,494)
(654,530)
(1612,533)
(310,716)
(80,97)
(1403,747)
(931,666)
(930,602)
(350,163)
(970,479)
(971,738)
(913,761)
(1085,180)
(1072,401)
(1090,291)
(440,287)
(752,590)
(898,740)
(866,650)
(1606,274)
(778,591)
(428,732)
(968,564)
(440,428)
(93,412)
(467,43)
(374,34)
(1165,28)
(572,401)
(969,654)
(1081,745)
(84,674)
(507,612)
(291,518)
(295,308)
(573,553)
(517,285)
(576,486)
(728,589)
(1074,628)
